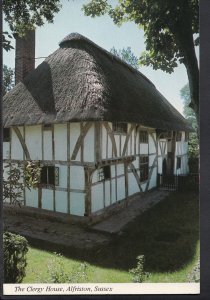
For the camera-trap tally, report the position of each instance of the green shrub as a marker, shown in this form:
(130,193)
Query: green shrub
(57,272)
(139,275)
(15,248)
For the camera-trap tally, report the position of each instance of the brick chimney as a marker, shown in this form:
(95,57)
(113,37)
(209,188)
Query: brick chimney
(24,55)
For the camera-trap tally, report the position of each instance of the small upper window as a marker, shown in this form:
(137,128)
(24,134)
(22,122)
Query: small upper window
(47,126)
(178,164)
(120,127)
(50,175)
(104,173)
(143,137)
(178,136)
(6,135)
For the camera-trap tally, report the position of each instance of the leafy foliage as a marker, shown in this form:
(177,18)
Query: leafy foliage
(16,178)
(170,29)
(127,55)
(57,273)
(26,15)
(160,21)
(139,275)
(190,116)
(15,248)
(8,79)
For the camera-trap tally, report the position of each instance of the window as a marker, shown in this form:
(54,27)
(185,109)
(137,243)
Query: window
(144,168)
(120,127)
(178,136)
(49,175)
(178,163)
(143,137)
(186,136)
(47,126)
(104,173)
(6,135)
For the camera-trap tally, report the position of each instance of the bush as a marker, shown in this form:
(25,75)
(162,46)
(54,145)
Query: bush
(139,275)
(15,248)
(57,272)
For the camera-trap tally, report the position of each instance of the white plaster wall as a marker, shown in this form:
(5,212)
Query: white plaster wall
(137,142)
(97,197)
(153,180)
(89,150)
(103,141)
(77,177)
(120,169)
(33,139)
(113,173)
(107,193)
(160,162)
(144,148)
(95,176)
(152,148)
(16,148)
(110,152)
(60,138)
(77,204)
(31,197)
(61,201)
(136,163)
(47,144)
(123,138)
(159,150)
(113,200)
(74,134)
(151,159)
(133,142)
(47,199)
(132,184)
(143,186)
(117,141)
(6,150)
(5,171)
(120,188)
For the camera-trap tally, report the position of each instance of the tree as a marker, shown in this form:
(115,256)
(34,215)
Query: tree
(8,79)
(170,29)
(190,116)
(17,177)
(26,15)
(127,55)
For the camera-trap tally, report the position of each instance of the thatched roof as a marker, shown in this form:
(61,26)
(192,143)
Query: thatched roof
(80,81)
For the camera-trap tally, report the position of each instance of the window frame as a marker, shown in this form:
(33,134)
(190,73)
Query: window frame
(7,136)
(186,137)
(144,167)
(104,173)
(120,127)
(143,137)
(48,182)
(179,136)
(178,162)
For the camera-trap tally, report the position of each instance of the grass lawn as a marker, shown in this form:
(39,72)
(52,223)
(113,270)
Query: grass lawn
(167,235)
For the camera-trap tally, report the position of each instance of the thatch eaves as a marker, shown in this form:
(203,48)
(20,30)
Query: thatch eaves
(80,81)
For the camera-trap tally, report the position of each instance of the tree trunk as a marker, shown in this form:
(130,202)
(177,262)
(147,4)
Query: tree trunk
(184,37)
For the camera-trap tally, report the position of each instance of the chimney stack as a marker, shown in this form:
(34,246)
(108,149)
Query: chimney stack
(24,55)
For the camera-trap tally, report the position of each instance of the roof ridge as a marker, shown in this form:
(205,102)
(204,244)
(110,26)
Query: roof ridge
(74,36)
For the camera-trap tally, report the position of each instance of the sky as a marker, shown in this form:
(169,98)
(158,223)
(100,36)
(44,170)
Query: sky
(102,31)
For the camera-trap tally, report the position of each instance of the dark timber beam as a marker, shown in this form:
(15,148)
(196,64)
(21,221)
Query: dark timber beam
(80,140)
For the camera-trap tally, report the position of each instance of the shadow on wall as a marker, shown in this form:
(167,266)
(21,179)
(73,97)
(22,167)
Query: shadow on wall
(167,235)
(40,86)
